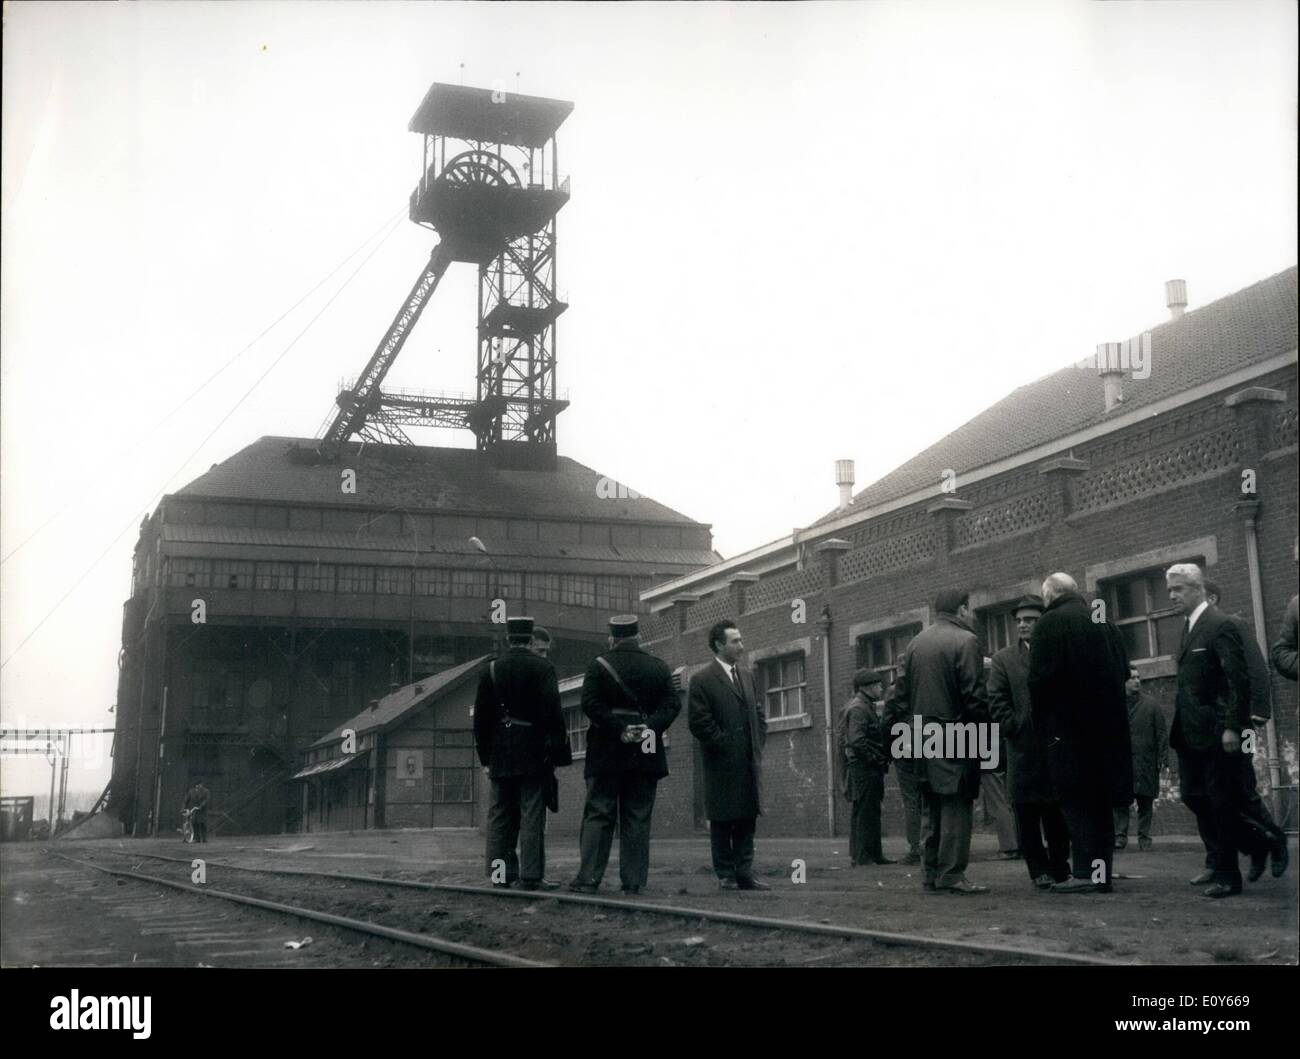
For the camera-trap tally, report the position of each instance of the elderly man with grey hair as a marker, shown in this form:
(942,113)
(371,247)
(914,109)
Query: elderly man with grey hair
(1212,709)
(1077,671)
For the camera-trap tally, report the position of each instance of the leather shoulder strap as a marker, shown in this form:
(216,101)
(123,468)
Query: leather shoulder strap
(604,664)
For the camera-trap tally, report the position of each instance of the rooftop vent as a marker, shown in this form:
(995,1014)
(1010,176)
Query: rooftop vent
(1176,297)
(844,479)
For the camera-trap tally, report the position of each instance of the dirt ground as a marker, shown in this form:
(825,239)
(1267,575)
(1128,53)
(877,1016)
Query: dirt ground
(1153,917)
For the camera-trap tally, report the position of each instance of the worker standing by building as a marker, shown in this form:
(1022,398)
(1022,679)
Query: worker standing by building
(196,804)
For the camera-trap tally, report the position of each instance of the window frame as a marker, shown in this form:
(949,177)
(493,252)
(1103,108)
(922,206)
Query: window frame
(783,690)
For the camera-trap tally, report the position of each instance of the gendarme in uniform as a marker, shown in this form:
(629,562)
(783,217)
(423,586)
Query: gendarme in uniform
(628,694)
(518,724)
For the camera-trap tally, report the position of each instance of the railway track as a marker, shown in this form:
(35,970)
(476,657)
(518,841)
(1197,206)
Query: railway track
(641,932)
(202,929)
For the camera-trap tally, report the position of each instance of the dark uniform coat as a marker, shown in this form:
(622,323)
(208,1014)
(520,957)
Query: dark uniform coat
(942,679)
(656,704)
(525,689)
(1148,734)
(1077,672)
(1213,684)
(731,728)
(1028,781)
(864,745)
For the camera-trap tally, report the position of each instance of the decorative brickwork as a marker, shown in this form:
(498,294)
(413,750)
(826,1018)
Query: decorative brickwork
(1154,472)
(913,549)
(1027,512)
(778,591)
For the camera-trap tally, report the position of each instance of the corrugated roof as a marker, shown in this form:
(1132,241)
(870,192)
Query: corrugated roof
(396,705)
(1234,332)
(423,478)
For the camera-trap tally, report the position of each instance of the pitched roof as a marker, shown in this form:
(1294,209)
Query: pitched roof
(1234,332)
(423,478)
(394,707)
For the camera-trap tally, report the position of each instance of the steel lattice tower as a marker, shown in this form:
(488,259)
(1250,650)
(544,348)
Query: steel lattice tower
(490,189)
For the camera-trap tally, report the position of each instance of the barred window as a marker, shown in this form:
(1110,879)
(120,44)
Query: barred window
(577,590)
(783,681)
(190,573)
(1139,606)
(274,576)
(883,651)
(315,577)
(356,578)
(393,581)
(576,724)
(613,594)
(469,584)
(432,583)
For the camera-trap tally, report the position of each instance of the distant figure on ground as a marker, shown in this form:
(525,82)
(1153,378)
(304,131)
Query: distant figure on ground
(865,756)
(196,801)
(1148,736)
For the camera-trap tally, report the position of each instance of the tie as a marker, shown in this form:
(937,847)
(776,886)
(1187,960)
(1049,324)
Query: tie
(735,679)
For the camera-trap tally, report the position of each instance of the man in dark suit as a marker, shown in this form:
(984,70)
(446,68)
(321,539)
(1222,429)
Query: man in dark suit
(866,759)
(1029,784)
(1077,671)
(1212,709)
(628,694)
(518,730)
(942,681)
(728,720)
(1272,839)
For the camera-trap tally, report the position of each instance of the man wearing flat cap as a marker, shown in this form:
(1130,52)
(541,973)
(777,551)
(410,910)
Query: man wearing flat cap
(628,695)
(518,730)
(1044,837)
(866,759)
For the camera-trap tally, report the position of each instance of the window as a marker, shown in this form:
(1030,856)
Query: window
(315,577)
(1139,606)
(453,766)
(612,594)
(356,578)
(510,584)
(883,651)
(432,583)
(783,685)
(217,692)
(576,724)
(274,576)
(344,691)
(999,629)
(232,573)
(393,581)
(544,588)
(469,584)
(189,573)
(578,591)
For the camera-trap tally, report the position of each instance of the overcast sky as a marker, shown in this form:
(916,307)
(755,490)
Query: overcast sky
(797,233)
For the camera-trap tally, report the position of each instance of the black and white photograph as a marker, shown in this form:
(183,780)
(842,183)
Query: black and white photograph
(612,487)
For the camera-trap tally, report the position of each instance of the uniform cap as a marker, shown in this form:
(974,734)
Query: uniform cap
(623,625)
(519,627)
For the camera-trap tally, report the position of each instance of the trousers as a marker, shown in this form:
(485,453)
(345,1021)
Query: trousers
(517,816)
(628,800)
(1038,821)
(732,844)
(864,822)
(909,787)
(945,837)
(1092,834)
(993,785)
(1121,815)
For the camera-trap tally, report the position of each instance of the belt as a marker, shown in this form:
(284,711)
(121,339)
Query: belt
(511,722)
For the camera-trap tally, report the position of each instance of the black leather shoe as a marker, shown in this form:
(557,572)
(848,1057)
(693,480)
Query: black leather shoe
(1258,862)
(582,887)
(1075,886)
(502,885)
(913,857)
(751,884)
(1281,858)
(929,887)
(1044,882)
(884,860)
(1223,890)
(631,891)
(1203,877)
(728,884)
(538,884)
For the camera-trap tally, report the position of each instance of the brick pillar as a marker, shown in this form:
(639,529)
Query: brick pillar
(682,605)
(739,582)
(830,552)
(1251,409)
(945,511)
(1060,471)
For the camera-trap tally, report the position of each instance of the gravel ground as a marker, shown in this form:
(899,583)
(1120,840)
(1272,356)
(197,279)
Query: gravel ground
(1154,916)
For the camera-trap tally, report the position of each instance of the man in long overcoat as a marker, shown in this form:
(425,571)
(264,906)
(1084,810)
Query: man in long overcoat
(942,680)
(728,720)
(1029,785)
(1148,735)
(1077,671)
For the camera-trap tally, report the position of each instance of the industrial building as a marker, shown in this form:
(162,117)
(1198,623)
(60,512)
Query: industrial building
(1110,470)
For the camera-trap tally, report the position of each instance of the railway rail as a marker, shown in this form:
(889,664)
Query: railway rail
(807,932)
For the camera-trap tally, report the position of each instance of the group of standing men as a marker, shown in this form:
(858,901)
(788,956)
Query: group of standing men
(1083,741)
(631,699)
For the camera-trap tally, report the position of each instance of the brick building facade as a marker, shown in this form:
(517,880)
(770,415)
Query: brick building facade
(1197,462)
